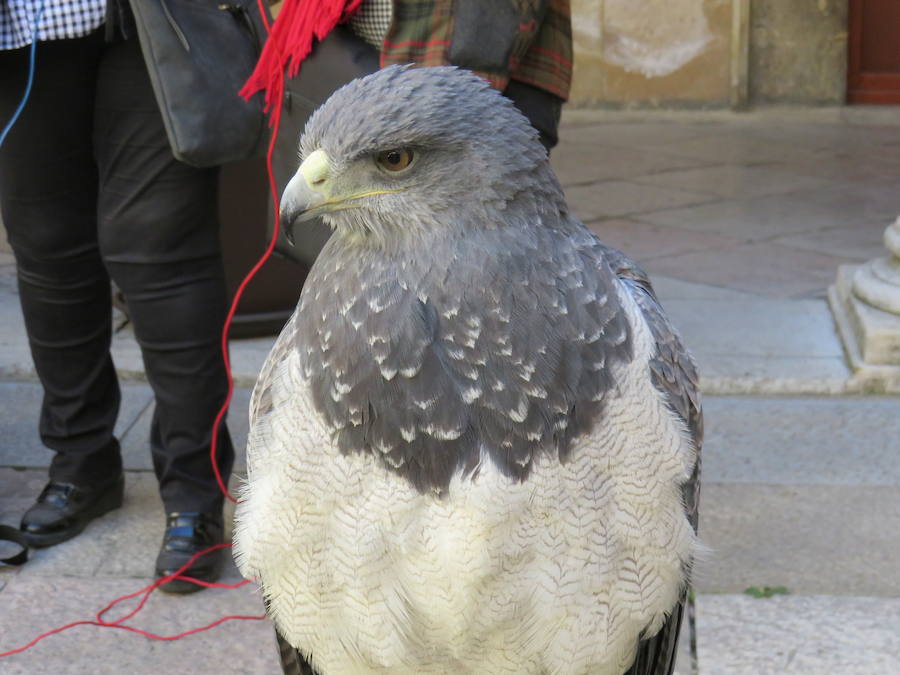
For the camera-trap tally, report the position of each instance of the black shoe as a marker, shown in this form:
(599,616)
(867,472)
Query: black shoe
(188,533)
(63,510)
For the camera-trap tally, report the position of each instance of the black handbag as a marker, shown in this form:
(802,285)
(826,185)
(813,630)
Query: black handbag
(199,53)
(342,56)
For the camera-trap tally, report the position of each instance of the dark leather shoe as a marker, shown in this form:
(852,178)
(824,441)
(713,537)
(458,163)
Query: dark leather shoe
(63,510)
(186,534)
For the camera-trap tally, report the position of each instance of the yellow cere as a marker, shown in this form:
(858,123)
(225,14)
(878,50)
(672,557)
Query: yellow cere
(315,168)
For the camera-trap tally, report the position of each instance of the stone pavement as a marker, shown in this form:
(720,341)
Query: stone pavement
(742,220)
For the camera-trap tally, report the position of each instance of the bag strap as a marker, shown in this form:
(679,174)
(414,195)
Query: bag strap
(8,533)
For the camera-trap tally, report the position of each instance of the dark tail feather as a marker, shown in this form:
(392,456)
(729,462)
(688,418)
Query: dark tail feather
(656,655)
(292,661)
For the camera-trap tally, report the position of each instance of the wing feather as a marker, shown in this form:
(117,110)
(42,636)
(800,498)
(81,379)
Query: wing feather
(674,373)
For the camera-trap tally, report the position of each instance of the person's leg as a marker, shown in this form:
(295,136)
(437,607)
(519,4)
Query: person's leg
(540,107)
(159,238)
(48,191)
(178,312)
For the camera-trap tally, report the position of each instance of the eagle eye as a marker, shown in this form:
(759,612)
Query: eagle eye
(394,160)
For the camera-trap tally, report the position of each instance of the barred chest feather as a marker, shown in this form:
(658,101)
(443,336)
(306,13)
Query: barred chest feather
(556,567)
(503,344)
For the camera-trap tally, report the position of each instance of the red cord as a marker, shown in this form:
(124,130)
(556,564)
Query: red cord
(146,591)
(275,122)
(234,304)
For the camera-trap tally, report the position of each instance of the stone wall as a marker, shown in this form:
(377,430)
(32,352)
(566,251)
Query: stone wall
(658,52)
(798,51)
(678,53)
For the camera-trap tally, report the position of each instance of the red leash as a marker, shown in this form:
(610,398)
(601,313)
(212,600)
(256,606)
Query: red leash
(290,40)
(119,623)
(272,61)
(273,189)
(288,43)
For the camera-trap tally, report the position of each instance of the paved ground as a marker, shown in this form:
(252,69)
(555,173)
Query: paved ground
(742,220)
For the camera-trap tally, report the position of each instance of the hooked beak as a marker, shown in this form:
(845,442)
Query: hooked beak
(307,194)
(311,192)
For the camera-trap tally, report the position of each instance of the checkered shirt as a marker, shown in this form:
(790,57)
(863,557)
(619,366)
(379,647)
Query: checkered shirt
(61,19)
(372,21)
(422,32)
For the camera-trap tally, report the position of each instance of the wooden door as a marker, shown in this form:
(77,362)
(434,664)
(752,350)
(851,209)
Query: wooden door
(873,73)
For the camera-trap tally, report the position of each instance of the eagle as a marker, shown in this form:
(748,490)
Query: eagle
(474,447)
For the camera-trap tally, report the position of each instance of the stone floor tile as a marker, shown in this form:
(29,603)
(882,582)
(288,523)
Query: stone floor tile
(878,198)
(732,147)
(126,354)
(634,134)
(760,218)
(798,635)
(684,662)
(827,138)
(812,539)
(857,168)
(760,117)
(247,358)
(643,241)
(734,181)
(122,543)
(15,356)
(860,242)
(808,441)
(774,375)
(120,532)
(669,288)
(620,198)
(238,647)
(138,529)
(866,115)
(761,268)
(594,116)
(579,164)
(20,406)
(18,490)
(786,328)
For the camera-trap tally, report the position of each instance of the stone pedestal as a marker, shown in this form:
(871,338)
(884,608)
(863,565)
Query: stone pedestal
(865,302)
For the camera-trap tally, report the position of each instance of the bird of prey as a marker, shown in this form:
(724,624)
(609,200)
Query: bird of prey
(474,447)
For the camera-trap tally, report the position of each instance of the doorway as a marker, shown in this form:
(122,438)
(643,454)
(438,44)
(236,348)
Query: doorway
(873,68)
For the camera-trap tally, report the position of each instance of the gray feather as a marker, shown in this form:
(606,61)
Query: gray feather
(673,370)
(674,373)
(484,348)
(459,314)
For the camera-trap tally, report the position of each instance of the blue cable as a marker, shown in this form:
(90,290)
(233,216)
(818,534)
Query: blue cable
(31,60)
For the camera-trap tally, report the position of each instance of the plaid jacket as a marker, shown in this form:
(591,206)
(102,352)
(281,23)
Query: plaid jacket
(525,40)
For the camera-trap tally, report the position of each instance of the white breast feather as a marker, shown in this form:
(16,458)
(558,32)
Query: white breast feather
(557,574)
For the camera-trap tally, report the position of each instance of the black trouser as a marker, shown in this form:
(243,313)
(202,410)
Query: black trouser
(90,191)
(542,109)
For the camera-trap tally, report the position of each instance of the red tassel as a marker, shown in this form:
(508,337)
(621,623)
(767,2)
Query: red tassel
(290,41)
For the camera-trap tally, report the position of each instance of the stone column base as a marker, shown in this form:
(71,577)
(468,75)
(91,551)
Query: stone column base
(871,337)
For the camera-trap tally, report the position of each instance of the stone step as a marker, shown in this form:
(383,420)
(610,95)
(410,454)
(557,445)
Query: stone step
(815,540)
(802,441)
(794,489)
(812,539)
(797,635)
(744,343)
(779,440)
(32,604)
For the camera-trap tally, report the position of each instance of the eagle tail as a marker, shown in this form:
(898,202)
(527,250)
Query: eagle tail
(292,661)
(656,655)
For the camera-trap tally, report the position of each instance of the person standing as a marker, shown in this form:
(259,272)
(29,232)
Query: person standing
(90,192)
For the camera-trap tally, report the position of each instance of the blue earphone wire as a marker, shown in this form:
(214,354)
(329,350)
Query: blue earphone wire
(31,60)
